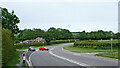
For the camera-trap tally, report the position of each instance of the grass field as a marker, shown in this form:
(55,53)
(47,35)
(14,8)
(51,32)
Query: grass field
(15,58)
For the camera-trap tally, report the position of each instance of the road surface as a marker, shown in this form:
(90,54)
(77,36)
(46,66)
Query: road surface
(57,56)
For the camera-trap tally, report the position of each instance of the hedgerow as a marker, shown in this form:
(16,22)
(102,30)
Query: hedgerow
(95,44)
(8,48)
(24,45)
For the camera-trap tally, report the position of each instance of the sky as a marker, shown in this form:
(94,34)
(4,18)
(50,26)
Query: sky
(75,15)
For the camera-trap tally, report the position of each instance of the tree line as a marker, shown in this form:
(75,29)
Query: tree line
(62,34)
(51,34)
(96,35)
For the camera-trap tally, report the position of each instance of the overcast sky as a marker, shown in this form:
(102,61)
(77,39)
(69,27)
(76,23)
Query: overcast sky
(75,15)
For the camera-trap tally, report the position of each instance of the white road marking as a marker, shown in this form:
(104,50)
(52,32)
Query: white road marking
(29,62)
(72,61)
(76,54)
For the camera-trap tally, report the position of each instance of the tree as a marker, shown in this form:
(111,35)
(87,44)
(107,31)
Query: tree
(10,21)
(28,34)
(60,33)
(116,36)
(63,33)
(48,37)
(82,35)
(66,33)
(53,31)
(38,32)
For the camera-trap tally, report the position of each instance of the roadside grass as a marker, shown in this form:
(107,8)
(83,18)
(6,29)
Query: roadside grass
(109,54)
(113,54)
(87,50)
(24,65)
(15,58)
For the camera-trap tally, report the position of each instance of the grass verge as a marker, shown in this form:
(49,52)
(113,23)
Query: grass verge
(109,54)
(15,58)
(87,50)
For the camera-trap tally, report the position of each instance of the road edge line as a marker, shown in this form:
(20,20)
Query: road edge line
(29,61)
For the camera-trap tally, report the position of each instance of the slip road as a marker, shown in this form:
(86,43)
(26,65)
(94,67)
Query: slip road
(57,56)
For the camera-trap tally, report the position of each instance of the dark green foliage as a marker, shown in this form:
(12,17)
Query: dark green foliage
(28,34)
(8,47)
(48,37)
(52,33)
(10,21)
(9,28)
(63,34)
(96,35)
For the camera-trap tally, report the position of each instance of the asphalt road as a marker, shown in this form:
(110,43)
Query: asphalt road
(57,56)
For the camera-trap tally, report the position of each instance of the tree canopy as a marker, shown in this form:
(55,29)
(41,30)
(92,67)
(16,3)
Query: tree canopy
(10,21)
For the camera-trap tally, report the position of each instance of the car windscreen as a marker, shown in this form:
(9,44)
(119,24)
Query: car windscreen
(32,47)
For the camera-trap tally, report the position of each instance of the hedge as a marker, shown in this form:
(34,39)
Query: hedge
(95,45)
(8,48)
(25,45)
(62,41)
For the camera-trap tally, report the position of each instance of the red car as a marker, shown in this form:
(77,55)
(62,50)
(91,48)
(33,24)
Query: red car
(43,48)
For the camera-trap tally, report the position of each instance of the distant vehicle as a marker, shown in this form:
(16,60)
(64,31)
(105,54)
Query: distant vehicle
(43,48)
(31,48)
